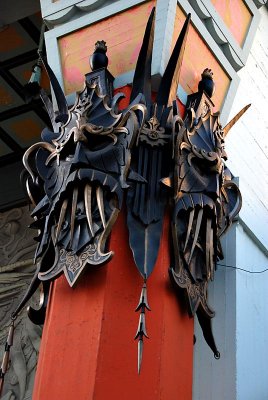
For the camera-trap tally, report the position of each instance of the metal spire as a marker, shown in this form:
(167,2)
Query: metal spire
(142,76)
(169,84)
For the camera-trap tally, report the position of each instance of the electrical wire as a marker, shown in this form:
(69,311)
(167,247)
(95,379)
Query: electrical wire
(242,269)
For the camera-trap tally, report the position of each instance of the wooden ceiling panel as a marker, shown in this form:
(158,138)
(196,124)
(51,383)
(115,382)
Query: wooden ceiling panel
(8,97)
(25,128)
(4,149)
(14,41)
(20,123)
(37,20)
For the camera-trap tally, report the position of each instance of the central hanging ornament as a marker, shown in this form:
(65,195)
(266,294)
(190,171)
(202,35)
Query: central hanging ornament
(78,173)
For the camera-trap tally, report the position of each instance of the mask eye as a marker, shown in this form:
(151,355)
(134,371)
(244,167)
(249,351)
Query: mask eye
(98,142)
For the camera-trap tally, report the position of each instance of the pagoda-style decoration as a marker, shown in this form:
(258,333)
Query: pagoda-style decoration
(79,171)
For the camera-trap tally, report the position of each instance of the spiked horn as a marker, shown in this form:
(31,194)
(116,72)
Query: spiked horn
(60,98)
(142,75)
(235,119)
(169,84)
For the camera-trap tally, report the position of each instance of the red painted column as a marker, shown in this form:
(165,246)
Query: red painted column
(88,350)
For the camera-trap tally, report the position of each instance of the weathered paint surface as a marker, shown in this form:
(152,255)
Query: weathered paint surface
(123,33)
(88,350)
(236,16)
(197,57)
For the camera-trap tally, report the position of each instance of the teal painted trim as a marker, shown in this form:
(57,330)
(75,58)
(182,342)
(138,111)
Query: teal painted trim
(263,246)
(260,3)
(48,7)
(213,46)
(182,95)
(90,17)
(236,54)
(52,36)
(164,31)
(165,19)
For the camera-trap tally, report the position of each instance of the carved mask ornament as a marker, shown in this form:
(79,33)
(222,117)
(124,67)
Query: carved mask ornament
(188,157)
(205,202)
(78,172)
(152,159)
(81,170)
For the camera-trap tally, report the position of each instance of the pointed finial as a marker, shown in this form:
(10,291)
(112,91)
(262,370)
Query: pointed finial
(99,59)
(100,45)
(207,84)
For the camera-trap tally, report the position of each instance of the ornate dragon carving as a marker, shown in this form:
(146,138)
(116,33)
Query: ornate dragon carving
(78,172)
(187,156)
(205,202)
(82,172)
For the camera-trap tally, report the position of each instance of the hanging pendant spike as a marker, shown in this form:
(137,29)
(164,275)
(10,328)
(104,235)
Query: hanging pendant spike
(6,356)
(141,331)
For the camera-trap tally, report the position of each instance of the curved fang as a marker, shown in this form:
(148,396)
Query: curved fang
(99,195)
(197,229)
(190,224)
(88,205)
(73,212)
(27,153)
(61,218)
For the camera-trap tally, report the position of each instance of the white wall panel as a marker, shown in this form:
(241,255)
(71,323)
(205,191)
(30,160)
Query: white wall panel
(240,298)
